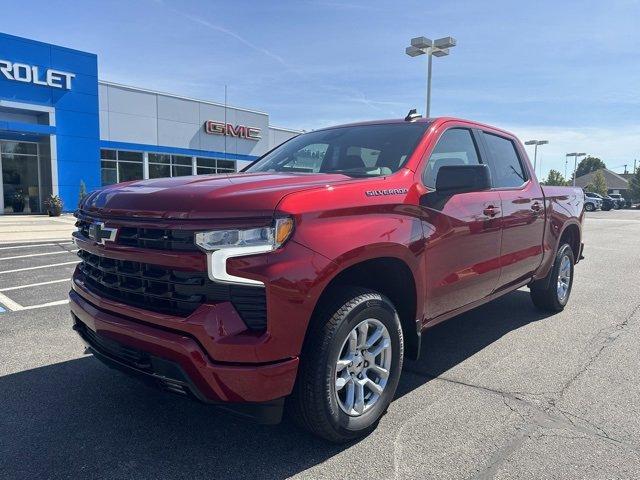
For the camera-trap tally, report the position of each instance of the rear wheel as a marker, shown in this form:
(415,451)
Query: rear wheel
(350,366)
(552,293)
(589,207)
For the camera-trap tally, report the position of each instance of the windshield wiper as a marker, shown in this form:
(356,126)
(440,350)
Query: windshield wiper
(356,172)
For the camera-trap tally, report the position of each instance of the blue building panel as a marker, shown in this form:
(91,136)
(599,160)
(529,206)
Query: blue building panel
(17,49)
(78,102)
(76,130)
(80,63)
(77,124)
(24,92)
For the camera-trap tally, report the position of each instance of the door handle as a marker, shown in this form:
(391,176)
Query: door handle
(536,207)
(491,211)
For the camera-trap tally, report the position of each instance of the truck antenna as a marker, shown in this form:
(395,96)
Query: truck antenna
(412,115)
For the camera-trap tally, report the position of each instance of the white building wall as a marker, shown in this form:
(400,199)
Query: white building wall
(138,116)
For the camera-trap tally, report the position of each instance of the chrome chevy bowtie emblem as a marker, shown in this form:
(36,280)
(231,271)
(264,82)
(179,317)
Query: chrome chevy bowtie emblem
(101,234)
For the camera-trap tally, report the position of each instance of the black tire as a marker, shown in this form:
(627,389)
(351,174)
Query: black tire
(313,403)
(589,207)
(545,293)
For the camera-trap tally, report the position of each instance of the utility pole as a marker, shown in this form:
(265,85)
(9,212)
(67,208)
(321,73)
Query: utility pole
(535,152)
(225,124)
(575,156)
(435,48)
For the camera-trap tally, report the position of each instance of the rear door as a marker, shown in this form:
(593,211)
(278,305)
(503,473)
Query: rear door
(462,231)
(523,216)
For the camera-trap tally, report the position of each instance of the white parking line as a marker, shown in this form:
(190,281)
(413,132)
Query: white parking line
(8,289)
(49,304)
(600,219)
(31,245)
(10,304)
(16,307)
(38,255)
(38,267)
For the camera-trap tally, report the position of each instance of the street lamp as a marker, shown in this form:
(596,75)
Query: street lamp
(437,48)
(535,152)
(575,156)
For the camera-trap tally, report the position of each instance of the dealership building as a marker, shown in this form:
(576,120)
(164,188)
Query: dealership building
(61,126)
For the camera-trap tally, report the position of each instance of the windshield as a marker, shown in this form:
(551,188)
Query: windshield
(363,150)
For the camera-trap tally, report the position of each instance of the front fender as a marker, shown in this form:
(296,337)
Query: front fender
(348,240)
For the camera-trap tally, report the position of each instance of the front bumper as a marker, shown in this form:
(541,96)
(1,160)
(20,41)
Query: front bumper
(176,361)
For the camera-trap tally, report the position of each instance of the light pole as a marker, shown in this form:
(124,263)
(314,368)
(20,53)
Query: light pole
(535,152)
(575,156)
(436,48)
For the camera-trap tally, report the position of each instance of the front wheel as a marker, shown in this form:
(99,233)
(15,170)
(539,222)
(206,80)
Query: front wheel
(552,293)
(589,207)
(350,366)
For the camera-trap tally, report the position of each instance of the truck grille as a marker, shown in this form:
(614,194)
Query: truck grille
(163,290)
(153,238)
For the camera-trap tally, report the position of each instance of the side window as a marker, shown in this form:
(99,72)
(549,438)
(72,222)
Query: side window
(455,147)
(506,169)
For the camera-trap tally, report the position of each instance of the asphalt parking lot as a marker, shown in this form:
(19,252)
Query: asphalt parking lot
(500,392)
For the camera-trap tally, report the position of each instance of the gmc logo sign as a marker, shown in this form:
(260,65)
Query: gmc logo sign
(240,131)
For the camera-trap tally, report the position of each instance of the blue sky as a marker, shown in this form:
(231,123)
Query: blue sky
(564,71)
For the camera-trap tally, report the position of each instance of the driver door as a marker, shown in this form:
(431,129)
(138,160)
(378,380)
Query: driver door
(462,231)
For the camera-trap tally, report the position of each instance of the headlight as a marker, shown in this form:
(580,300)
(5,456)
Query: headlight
(272,237)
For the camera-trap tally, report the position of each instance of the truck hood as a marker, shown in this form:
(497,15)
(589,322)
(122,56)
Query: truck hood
(249,195)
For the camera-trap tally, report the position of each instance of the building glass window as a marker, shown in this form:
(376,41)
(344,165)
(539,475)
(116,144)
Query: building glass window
(109,172)
(120,166)
(162,165)
(123,165)
(211,166)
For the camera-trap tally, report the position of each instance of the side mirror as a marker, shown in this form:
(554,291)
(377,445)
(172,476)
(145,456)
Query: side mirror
(463,179)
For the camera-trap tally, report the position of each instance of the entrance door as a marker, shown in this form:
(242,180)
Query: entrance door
(20,177)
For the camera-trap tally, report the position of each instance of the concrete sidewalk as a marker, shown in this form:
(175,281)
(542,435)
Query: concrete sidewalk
(35,228)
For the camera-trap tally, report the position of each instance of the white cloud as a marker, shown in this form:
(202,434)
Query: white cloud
(616,146)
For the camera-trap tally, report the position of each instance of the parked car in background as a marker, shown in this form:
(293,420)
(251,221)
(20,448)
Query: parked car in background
(312,274)
(608,203)
(592,201)
(616,204)
(619,199)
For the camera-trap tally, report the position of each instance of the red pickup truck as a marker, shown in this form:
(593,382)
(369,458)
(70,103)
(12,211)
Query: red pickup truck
(311,274)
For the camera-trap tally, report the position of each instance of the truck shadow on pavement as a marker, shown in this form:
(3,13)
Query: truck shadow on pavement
(80,419)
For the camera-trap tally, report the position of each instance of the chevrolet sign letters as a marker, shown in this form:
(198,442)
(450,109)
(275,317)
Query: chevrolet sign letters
(21,72)
(240,131)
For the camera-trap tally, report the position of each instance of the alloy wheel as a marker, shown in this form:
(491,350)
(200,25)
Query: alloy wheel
(363,367)
(564,278)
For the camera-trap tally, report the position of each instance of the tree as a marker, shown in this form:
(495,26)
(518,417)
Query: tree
(599,183)
(83,191)
(589,164)
(555,178)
